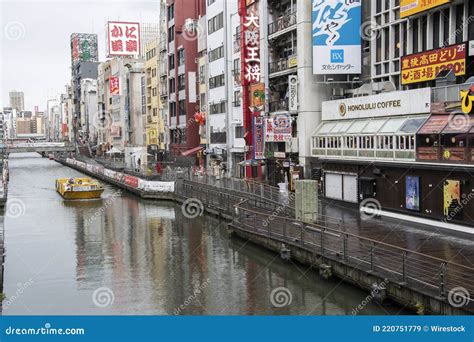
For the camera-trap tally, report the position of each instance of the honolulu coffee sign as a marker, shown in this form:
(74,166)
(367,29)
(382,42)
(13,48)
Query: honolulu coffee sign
(417,101)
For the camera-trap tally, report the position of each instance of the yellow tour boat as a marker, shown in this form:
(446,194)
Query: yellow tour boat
(79,188)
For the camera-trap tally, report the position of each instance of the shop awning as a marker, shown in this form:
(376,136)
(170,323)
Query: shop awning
(392,125)
(412,125)
(458,124)
(434,125)
(373,126)
(192,151)
(324,128)
(357,127)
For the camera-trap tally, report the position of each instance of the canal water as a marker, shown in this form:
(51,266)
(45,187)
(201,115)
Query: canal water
(124,255)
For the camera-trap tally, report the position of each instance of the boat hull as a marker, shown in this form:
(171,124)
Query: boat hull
(75,195)
(78,188)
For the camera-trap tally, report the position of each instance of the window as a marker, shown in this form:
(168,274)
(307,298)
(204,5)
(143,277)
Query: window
(172,109)
(218,137)
(236,68)
(217,108)
(153,72)
(210,2)
(170,34)
(171,12)
(216,81)
(239,132)
(180,57)
(202,74)
(215,23)
(181,82)
(182,107)
(172,85)
(216,54)
(237,98)
(153,91)
(171,62)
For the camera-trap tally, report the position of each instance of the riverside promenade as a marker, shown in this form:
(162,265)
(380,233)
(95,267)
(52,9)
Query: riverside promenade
(417,266)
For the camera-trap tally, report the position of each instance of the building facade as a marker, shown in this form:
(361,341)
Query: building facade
(17,100)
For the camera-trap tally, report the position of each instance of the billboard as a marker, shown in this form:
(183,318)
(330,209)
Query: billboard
(123,38)
(336,37)
(452,199)
(411,7)
(278,128)
(114,85)
(84,48)
(412,193)
(425,66)
(258,141)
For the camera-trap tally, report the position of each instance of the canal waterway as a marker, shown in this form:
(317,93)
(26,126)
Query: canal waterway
(124,255)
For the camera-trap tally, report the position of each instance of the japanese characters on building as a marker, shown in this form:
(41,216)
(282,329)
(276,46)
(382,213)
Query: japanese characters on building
(114,85)
(278,128)
(411,7)
(258,138)
(84,48)
(252,47)
(425,66)
(336,37)
(123,38)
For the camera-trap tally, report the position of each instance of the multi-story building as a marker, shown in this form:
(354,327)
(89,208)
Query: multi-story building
(23,126)
(163,76)
(9,116)
(89,110)
(182,17)
(406,154)
(149,32)
(17,100)
(54,122)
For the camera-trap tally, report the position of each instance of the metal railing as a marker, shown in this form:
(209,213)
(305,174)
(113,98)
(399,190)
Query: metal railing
(282,23)
(280,65)
(419,271)
(278,106)
(448,93)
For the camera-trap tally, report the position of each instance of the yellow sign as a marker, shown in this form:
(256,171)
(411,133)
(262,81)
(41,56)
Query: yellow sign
(292,61)
(467,101)
(411,7)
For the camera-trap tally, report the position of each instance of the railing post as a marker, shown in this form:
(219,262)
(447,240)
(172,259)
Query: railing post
(344,243)
(404,271)
(262,191)
(442,280)
(302,234)
(372,247)
(322,242)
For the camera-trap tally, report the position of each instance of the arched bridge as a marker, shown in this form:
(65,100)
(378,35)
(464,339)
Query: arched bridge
(40,147)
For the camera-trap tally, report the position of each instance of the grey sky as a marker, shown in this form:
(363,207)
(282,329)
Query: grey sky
(34,41)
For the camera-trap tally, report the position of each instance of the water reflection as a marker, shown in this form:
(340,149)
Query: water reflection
(152,258)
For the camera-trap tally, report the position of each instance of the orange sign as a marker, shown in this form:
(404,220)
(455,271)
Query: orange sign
(411,7)
(425,66)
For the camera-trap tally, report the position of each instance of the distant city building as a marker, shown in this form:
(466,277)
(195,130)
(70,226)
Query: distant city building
(17,100)
(149,32)
(23,126)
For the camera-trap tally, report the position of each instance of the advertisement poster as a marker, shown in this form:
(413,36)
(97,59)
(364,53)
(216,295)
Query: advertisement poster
(412,195)
(257,97)
(336,37)
(259,144)
(452,199)
(278,128)
(425,66)
(114,85)
(411,7)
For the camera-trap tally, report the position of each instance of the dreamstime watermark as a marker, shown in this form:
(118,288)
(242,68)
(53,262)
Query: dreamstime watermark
(459,121)
(14,30)
(103,121)
(103,297)
(459,30)
(192,208)
(376,291)
(196,292)
(370,208)
(21,288)
(281,208)
(281,297)
(102,209)
(459,297)
(192,31)
(459,207)
(369,30)
(15,208)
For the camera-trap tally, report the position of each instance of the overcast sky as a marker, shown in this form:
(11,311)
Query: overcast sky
(35,53)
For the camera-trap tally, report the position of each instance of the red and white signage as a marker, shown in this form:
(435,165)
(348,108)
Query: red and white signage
(114,85)
(278,128)
(252,47)
(123,38)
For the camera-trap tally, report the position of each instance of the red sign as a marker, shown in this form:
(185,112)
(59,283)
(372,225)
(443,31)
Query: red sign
(425,66)
(123,38)
(258,135)
(114,85)
(131,181)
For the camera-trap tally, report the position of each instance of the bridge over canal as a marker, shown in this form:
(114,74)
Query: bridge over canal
(39,147)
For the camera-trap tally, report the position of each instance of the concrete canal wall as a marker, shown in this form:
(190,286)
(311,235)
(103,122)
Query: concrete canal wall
(399,292)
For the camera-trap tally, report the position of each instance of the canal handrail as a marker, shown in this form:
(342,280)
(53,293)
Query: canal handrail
(421,270)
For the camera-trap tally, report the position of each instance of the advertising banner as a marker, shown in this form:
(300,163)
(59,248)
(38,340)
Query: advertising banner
(293,94)
(425,66)
(114,85)
(412,195)
(131,181)
(411,7)
(278,128)
(452,199)
(258,142)
(336,37)
(84,48)
(123,38)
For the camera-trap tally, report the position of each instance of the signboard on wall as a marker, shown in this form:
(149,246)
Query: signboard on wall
(411,7)
(257,97)
(258,142)
(278,128)
(336,37)
(114,85)
(425,66)
(84,48)
(293,94)
(123,38)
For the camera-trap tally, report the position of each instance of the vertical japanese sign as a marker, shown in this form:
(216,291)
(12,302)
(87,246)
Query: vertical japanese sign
(114,85)
(425,66)
(84,48)
(252,47)
(293,94)
(123,38)
(258,141)
(336,37)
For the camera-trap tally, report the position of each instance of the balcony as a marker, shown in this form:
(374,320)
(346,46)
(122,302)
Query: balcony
(450,93)
(279,106)
(282,25)
(282,65)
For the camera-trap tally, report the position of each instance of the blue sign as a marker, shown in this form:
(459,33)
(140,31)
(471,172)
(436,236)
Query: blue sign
(337,24)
